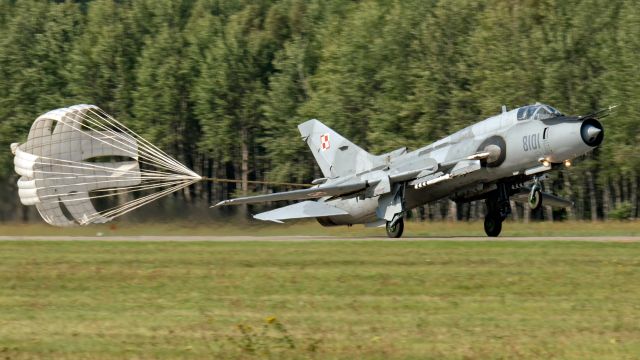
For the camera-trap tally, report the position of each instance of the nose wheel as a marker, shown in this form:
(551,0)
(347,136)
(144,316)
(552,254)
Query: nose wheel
(394,230)
(535,196)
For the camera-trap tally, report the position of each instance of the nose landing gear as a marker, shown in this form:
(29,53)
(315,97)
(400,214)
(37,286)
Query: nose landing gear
(535,196)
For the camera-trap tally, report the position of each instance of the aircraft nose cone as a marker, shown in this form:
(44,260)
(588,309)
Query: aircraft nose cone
(592,132)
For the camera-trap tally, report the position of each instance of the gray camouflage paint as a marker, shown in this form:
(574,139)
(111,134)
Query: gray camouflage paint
(515,147)
(512,146)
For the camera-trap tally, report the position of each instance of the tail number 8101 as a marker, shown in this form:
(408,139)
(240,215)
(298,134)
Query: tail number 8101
(531,142)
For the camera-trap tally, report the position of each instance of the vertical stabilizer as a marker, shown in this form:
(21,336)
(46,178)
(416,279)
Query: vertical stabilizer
(335,155)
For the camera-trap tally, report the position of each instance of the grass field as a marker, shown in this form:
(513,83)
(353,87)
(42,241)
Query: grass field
(412,229)
(343,300)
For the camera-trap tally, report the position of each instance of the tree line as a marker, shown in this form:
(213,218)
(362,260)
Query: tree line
(222,84)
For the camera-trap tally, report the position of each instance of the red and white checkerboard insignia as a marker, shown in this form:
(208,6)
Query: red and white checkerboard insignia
(324,142)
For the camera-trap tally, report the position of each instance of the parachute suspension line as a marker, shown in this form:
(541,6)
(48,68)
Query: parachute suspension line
(131,151)
(159,151)
(147,144)
(134,204)
(158,159)
(128,144)
(78,154)
(119,171)
(114,190)
(161,158)
(152,149)
(81,165)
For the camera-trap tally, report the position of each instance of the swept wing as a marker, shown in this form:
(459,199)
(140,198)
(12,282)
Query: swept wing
(334,189)
(301,210)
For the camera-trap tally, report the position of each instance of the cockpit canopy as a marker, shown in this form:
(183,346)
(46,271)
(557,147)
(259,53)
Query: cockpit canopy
(537,112)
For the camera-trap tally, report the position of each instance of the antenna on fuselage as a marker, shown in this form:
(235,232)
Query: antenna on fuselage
(504,109)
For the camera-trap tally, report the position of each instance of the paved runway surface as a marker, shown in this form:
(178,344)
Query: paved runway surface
(315,238)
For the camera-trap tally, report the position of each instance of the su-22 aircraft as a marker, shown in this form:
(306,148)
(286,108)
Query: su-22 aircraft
(493,160)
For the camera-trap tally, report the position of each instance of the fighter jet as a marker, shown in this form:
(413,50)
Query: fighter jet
(502,157)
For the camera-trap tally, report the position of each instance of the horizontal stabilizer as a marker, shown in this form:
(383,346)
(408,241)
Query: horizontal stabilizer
(305,209)
(311,193)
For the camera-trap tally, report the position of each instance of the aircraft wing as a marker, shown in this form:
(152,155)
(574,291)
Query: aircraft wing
(422,176)
(338,189)
(301,210)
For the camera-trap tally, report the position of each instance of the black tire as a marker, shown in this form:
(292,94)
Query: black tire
(396,230)
(492,225)
(535,198)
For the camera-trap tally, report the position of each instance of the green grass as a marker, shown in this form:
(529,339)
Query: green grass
(428,229)
(339,300)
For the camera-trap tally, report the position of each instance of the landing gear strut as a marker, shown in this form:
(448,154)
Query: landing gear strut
(394,230)
(498,208)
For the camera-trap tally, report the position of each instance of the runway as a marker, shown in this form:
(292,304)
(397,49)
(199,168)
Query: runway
(254,238)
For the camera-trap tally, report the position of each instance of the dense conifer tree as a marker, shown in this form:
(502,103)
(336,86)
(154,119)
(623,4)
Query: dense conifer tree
(222,85)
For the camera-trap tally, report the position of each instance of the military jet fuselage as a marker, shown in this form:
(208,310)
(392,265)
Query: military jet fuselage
(490,160)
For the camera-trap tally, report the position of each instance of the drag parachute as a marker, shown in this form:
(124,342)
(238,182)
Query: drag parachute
(78,154)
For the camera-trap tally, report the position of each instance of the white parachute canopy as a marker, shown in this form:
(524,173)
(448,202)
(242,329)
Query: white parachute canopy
(76,154)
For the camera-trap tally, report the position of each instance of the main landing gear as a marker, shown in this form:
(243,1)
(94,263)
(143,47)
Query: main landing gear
(492,225)
(498,208)
(394,230)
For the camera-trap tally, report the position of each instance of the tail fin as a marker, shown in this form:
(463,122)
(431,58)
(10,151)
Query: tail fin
(335,155)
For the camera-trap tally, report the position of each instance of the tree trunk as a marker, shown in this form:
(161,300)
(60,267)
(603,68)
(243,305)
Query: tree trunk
(569,191)
(209,184)
(514,210)
(25,213)
(526,214)
(230,172)
(437,211)
(479,210)
(606,200)
(626,189)
(583,195)
(617,191)
(475,213)
(633,197)
(592,196)
(244,167)
(548,213)
(453,211)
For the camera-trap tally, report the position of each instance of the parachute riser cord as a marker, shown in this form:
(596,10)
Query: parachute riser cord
(255,182)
